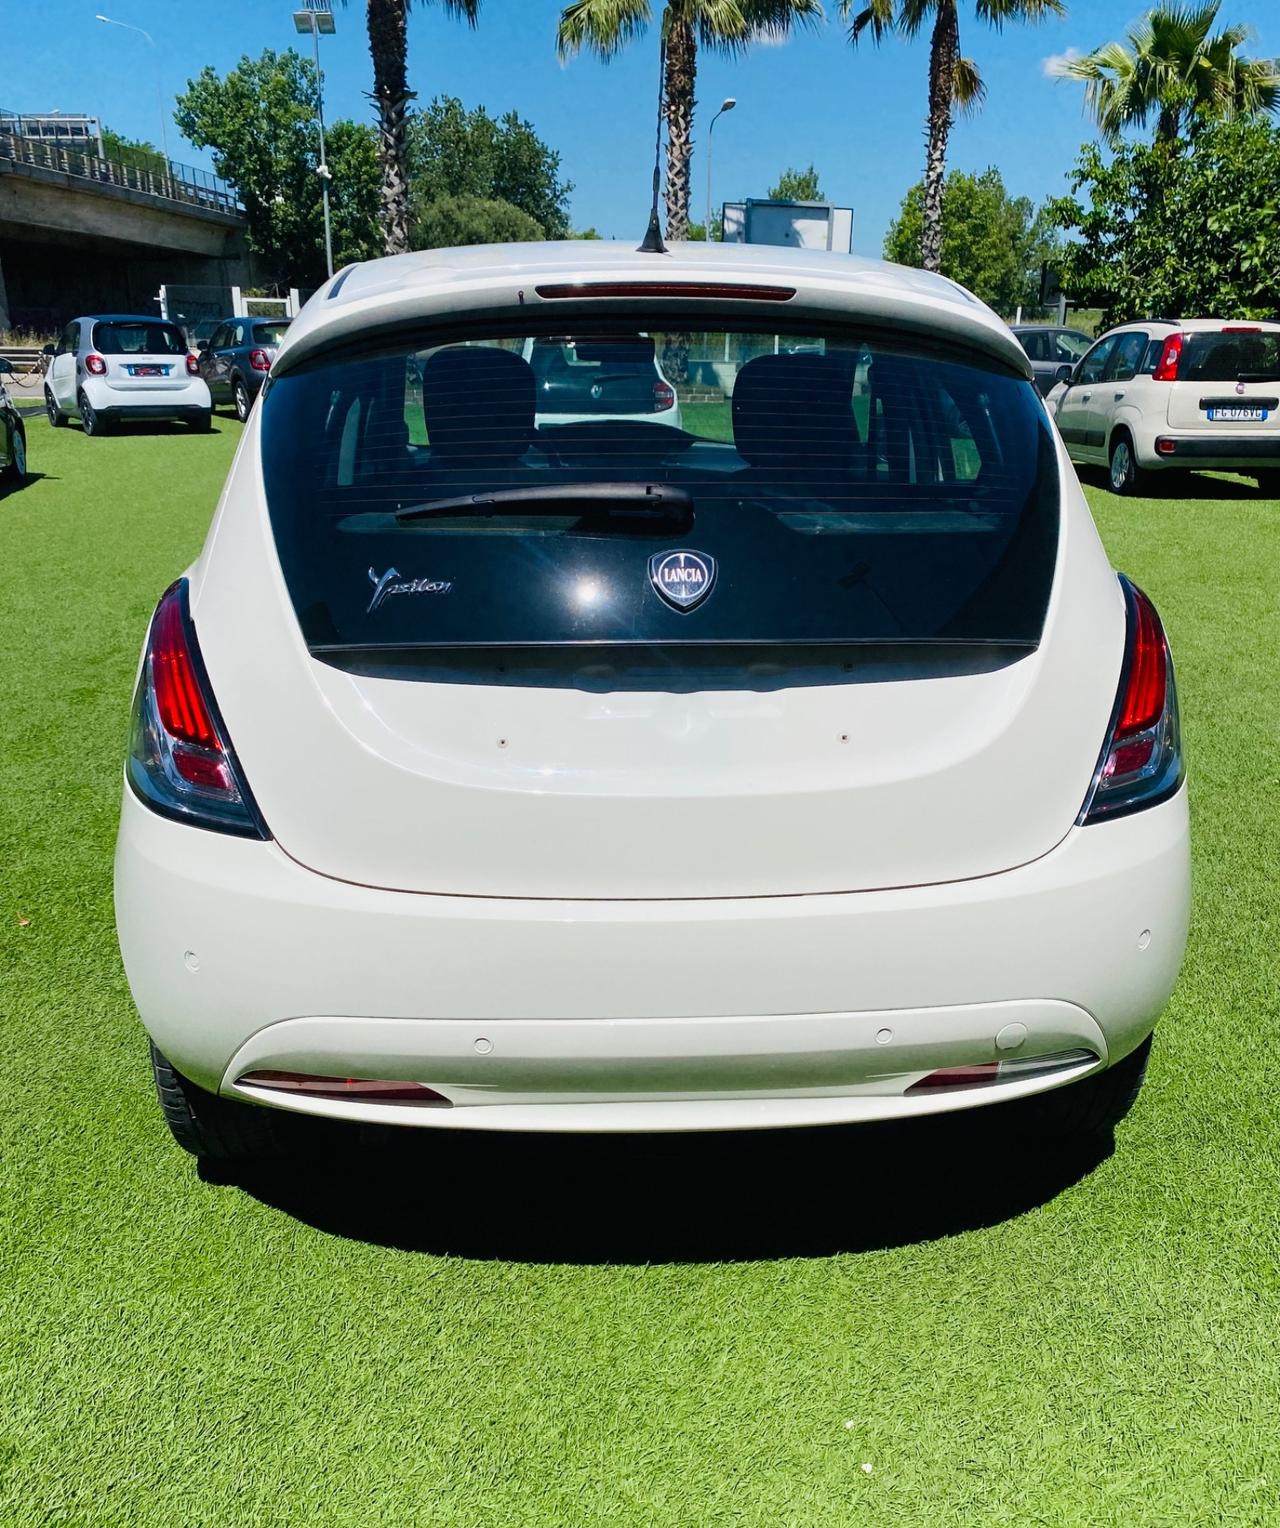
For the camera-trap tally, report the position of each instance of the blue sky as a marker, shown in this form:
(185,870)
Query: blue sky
(857,114)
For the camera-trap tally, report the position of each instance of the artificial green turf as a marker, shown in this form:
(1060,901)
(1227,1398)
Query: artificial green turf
(492,1332)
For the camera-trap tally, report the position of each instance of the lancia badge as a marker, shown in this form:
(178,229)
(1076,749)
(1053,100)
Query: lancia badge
(682,579)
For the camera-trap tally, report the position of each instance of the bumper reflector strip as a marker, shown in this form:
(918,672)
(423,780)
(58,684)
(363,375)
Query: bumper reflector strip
(370,1090)
(984,1073)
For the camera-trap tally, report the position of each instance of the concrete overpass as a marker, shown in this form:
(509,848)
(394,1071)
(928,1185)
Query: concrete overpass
(81,234)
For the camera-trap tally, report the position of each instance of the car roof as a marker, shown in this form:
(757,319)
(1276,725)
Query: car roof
(1195,325)
(510,280)
(123,318)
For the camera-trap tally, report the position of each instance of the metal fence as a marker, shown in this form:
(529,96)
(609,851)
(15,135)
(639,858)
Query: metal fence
(175,183)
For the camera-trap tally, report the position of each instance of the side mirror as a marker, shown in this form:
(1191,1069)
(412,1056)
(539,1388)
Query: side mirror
(1064,373)
(49,350)
(202,344)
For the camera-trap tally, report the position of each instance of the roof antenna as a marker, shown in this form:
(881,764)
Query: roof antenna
(652,243)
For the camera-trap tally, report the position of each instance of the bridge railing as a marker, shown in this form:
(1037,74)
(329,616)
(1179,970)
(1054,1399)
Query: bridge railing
(175,183)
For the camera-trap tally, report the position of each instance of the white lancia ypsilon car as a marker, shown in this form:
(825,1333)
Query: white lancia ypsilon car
(803,763)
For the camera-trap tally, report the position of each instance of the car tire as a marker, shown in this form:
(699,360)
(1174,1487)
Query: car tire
(91,422)
(1093,1106)
(240,399)
(1123,473)
(56,417)
(220,1129)
(15,474)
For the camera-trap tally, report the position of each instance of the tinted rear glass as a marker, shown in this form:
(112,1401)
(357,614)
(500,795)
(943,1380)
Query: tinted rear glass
(837,488)
(1227,357)
(270,334)
(138,339)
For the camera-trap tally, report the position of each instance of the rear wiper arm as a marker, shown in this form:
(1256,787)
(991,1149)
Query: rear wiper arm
(640,499)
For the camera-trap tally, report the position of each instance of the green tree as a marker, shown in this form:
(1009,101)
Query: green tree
(725,26)
(992,243)
(1178,68)
(1194,232)
(137,153)
(797,186)
(456,152)
(260,122)
(453,220)
(954,81)
(389,50)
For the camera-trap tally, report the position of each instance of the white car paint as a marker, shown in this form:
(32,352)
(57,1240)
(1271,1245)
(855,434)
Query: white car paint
(470,886)
(115,393)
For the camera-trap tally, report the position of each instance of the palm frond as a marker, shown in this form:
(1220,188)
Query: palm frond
(877,17)
(603,26)
(967,90)
(996,12)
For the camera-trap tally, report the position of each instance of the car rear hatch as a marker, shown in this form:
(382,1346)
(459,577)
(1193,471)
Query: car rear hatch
(832,636)
(139,356)
(1228,382)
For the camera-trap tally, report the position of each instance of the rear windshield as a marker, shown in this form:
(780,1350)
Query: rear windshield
(836,487)
(1231,357)
(139,338)
(270,334)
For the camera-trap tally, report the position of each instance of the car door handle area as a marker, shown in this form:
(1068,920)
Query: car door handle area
(1084,397)
(1119,395)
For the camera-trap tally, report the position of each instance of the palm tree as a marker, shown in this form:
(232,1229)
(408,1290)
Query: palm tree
(1178,68)
(954,81)
(389,49)
(727,26)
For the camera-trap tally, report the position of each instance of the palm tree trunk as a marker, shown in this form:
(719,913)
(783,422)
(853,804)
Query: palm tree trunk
(388,47)
(682,71)
(944,51)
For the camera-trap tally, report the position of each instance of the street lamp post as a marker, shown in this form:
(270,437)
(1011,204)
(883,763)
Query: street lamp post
(316,17)
(164,131)
(728,105)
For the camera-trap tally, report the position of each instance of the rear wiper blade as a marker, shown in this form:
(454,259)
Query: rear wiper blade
(625,499)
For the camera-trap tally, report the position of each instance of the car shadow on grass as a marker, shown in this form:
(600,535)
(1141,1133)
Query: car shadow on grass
(1183,486)
(12,490)
(676,1198)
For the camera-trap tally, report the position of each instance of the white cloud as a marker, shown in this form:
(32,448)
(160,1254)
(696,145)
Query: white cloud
(1053,66)
(770,37)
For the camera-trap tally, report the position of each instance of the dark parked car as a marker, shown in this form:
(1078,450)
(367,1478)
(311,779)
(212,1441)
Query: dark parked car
(1050,349)
(13,434)
(236,358)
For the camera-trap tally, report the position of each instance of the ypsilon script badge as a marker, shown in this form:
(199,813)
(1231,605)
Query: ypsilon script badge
(683,579)
(389,583)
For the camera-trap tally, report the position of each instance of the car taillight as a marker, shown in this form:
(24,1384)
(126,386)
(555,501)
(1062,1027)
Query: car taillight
(259,360)
(95,365)
(1167,366)
(1141,761)
(181,763)
(193,365)
(664,396)
(369,1090)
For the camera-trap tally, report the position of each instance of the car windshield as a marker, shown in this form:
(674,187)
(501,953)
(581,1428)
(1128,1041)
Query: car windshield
(837,487)
(124,337)
(270,334)
(1231,355)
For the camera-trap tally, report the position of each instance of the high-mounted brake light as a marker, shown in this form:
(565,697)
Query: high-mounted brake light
(259,360)
(1167,366)
(1242,329)
(1141,761)
(95,365)
(181,763)
(193,365)
(711,289)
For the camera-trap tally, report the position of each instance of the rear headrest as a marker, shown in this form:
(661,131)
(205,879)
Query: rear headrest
(478,404)
(795,412)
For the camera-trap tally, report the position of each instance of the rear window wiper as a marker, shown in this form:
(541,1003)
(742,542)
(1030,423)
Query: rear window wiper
(623,500)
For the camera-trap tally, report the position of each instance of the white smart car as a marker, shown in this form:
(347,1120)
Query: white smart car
(806,764)
(113,367)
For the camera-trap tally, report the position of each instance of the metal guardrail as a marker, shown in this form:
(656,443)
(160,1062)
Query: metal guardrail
(178,183)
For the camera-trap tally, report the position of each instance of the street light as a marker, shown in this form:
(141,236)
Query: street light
(728,105)
(129,27)
(317,18)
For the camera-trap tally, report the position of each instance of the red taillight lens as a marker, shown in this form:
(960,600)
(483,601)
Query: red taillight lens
(259,360)
(95,365)
(1141,762)
(664,396)
(193,365)
(1167,366)
(180,761)
(981,1074)
(369,1090)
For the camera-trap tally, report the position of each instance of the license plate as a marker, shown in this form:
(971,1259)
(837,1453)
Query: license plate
(148,371)
(1238,415)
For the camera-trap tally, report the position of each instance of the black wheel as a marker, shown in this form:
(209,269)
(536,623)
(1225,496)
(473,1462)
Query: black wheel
(240,399)
(220,1128)
(15,473)
(91,422)
(1091,1107)
(56,417)
(1125,475)
(1269,483)
(202,423)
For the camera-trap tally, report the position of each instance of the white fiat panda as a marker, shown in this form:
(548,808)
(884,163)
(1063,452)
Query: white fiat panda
(802,762)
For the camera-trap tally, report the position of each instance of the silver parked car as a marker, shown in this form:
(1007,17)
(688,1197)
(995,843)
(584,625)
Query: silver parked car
(1049,349)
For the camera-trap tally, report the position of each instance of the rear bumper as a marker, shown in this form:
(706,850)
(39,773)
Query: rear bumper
(1220,453)
(709,1014)
(183,401)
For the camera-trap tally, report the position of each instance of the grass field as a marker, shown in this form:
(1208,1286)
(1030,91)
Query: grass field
(826,1329)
